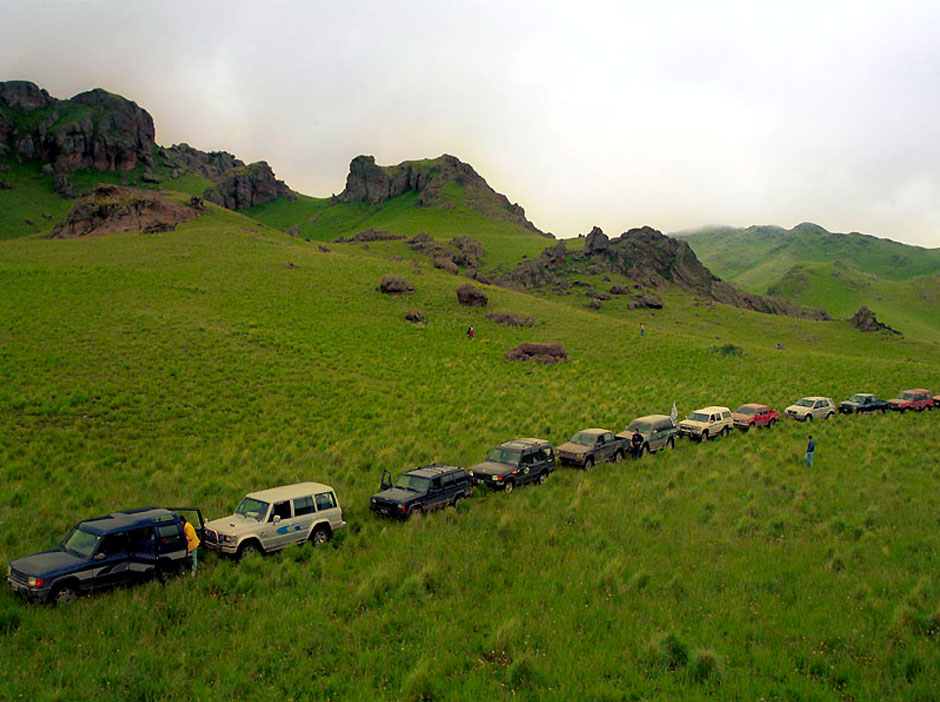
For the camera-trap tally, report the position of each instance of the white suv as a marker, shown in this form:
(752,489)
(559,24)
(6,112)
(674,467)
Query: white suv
(707,422)
(811,407)
(270,520)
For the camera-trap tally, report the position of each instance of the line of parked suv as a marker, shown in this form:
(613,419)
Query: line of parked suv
(148,542)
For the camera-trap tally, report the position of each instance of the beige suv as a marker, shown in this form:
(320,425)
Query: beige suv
(273,519)
(808,408)
(706,423)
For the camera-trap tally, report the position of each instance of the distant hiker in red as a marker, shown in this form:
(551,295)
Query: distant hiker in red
(469,332)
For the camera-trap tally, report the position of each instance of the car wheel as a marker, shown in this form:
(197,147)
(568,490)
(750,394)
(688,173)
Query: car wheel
(809,418)
(320,536)
(618,456)
(509,487)
(704,436)
(830,415)
(416,510)
(543,476)
(248,550)
(726,431)
(770,424)
(64,595)
(672,442)
(589,463)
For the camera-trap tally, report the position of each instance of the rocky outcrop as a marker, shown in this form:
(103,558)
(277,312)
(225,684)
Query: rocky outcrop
(864,320)
(460,251)
(395,285)
(471,296)
(367,235)
(540,353)
(646,301)
(246,186)
(373,184)
(651,260)
(94,129)
(415,317)
(102,131)
(112,209)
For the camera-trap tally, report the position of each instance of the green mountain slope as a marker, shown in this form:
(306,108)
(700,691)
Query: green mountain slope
(190,367)
(756,257)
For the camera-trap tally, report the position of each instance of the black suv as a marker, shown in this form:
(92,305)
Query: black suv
(515,462)
(103,552)
(421,490)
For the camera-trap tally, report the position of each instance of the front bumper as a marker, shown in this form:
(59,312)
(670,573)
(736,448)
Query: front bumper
(216,542)
(797,416)
(33,594)
(386,509)
(572,459)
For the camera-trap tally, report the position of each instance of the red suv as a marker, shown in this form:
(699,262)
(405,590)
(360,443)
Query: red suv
(917,399)
(754,415)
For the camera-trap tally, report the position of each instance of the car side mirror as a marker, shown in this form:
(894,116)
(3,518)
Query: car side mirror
(100,556)
(277,518)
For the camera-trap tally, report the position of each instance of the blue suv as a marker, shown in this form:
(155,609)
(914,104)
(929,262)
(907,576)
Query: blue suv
(106,551)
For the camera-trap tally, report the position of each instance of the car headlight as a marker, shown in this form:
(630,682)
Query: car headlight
(228,538)
(35,582)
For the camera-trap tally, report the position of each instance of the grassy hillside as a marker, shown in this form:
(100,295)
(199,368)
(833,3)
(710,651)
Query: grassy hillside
(912,306)
(317,219)
(193,366)
(32,207)
(756,257)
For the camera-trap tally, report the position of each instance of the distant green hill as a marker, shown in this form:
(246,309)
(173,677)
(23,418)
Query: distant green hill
(757,257)
(838,272)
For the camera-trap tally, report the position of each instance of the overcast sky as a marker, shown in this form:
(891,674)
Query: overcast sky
(673,114)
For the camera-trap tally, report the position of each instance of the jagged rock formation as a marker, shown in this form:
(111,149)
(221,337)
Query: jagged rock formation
(102,131)
(864,320)
(94,129)
(112,209)
(651,260)
(374,184)
(540,353)
(462,251)
(395,285)
(245,186)
(471,296)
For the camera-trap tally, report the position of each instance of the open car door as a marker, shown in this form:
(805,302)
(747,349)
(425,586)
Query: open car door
(193,516)
(386,480)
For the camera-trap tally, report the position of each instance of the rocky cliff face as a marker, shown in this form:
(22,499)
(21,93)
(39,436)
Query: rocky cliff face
(374,184)
(651,260)
(106,132)
(95,129)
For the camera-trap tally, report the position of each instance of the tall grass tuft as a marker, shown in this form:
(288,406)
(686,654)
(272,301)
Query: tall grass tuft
(666,652)
(705,666)
(419,684)
(503,643)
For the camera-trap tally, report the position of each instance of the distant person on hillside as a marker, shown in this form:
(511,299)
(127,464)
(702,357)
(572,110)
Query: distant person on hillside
(642,329)
(192,545)
(636,443)
(810,451)
(470,332)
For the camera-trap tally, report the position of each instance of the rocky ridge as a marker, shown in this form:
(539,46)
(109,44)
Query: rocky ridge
(651,260)
(102,131)
(374,184)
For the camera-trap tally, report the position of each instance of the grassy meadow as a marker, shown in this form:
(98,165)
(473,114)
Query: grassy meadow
(191,367)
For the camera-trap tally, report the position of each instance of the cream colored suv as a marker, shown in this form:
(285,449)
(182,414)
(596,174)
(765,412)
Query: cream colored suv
(808,408)
(270,520)
(706,423)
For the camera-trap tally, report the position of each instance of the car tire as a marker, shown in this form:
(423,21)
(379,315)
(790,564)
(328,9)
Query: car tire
(417,509)
(830,415)
(588,463)
(808,418)
(320,536)
(726,431)
(770,424)
(249,549)
(703,436)
(64,595)
(672,442)
(543,476)
(509,486)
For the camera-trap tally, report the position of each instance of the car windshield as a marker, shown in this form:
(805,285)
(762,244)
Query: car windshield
(584,439)
(502,455)
(858,398)
(412,482)
(250,508)
(805,403)
(642,427)
(745,409)
(81,543)
(908,396)
(698,417)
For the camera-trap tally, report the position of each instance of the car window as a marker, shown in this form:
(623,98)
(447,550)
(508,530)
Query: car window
(608,437)
(169,534)
(114,545)
(326,500)
(530,458)
(726,415)
(303,505)
(460,477)
(281,509)
(448,480)
(141,540)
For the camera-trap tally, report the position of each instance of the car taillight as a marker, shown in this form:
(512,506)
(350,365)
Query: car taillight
(497,477)
(36,582)
(401,507)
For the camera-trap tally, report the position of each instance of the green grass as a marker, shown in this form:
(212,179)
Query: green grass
(191,367)
(317,219)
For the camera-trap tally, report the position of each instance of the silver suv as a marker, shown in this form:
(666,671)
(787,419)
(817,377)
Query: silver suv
(270,520)
(811,407)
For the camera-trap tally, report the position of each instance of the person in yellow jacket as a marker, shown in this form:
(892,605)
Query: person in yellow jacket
(192,545)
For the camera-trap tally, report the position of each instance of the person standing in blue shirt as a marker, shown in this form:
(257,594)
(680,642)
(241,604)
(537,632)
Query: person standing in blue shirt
(810,451)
